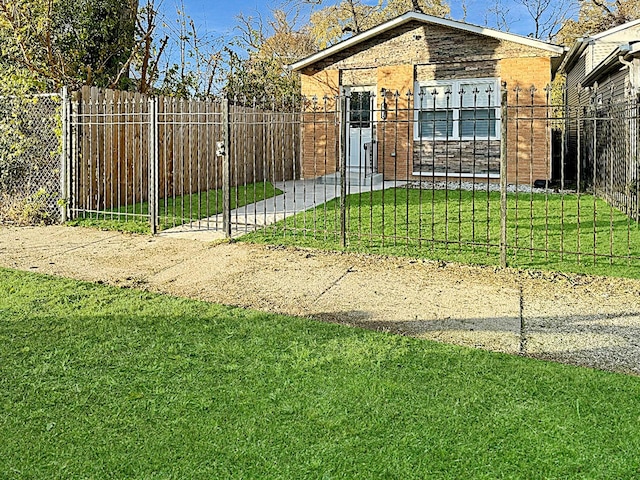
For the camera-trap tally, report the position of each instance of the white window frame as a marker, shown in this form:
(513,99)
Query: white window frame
(455,107)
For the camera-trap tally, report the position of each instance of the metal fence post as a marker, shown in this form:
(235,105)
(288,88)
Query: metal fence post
(153,165)
(503,176)
(223,151)
(343,169)
(635,179)
(75,131)
(65,164)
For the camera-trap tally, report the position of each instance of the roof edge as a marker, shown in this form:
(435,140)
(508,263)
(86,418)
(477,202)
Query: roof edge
(581,43)
(607,64)
(615,29)
(573,54)
(634,50)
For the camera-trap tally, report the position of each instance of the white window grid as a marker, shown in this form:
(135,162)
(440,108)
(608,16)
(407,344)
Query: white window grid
(457,96)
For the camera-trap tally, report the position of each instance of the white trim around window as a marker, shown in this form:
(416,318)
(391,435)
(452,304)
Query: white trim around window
(465,109)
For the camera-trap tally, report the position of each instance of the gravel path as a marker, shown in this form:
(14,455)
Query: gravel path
(588,321)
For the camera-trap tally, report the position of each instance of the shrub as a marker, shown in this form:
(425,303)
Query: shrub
(25,209)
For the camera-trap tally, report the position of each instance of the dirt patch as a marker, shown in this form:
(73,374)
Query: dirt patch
(588,321)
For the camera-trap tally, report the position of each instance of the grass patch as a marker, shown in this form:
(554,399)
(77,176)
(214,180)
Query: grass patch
(99,382)
(571,233)
(175,211)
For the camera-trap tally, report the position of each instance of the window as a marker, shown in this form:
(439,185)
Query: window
(360,109)
(464,109)
(478,123)
(436,123)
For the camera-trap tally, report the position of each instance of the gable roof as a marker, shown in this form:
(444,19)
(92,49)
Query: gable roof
(581,44)
(421,17)
(607,65)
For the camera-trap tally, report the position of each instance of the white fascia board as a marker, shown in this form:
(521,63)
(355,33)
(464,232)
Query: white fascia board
(607,64)
(613,30)
(573,54)
(634,51)
(410,16)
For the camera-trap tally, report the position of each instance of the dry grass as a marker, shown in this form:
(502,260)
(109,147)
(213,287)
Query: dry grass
(22,209)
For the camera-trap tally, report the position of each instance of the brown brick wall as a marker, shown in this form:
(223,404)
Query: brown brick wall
(416,43)
(395,134)
(529,135)
(320,148)
(413,51)
(358,77)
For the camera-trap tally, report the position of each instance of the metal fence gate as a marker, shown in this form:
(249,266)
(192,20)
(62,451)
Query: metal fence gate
(177,163)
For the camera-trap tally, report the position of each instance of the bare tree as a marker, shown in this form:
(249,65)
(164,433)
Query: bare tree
(464,8)
(147,54)
(416,6)
(497,16)
(544,17)
(329,24)
(270,46)
(547,16)
(193,62)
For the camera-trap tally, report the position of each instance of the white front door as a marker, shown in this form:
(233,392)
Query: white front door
(361,128)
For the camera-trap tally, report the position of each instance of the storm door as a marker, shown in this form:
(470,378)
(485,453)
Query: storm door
(360,125)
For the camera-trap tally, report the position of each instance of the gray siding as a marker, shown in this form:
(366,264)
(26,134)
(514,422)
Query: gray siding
(574,77)
(613,87)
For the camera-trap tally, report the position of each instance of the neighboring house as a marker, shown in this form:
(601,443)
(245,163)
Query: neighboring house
(426,93)
(602,59)
(603,87)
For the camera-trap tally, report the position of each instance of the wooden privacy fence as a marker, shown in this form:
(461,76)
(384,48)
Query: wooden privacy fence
(119,141)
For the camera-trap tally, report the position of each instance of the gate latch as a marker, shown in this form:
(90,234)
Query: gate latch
(220,150)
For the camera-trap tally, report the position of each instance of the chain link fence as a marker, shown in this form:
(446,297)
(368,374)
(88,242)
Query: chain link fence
(30,159)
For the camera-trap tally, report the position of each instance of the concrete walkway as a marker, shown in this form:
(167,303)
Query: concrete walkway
(298,196)
(581,320)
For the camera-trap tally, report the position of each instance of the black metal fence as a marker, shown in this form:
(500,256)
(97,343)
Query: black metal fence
(489,175)
(609,154)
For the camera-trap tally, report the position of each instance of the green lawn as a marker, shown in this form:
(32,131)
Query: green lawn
(552,231)
(175,211)
(100,382)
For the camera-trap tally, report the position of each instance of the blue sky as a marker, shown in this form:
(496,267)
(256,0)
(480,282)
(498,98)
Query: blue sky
(218,17)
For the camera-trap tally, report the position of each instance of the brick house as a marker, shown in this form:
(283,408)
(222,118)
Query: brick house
(422,100)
